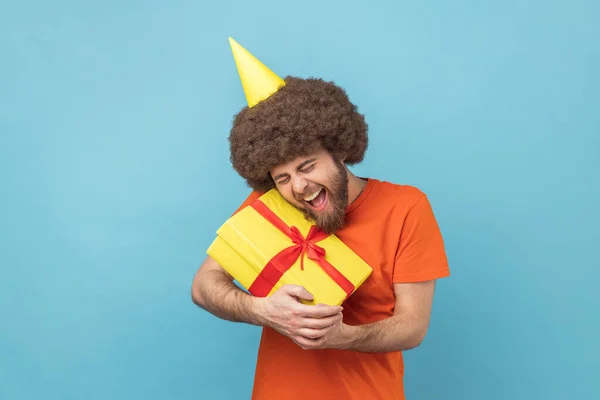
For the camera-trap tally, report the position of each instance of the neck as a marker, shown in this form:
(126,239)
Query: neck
(355,187)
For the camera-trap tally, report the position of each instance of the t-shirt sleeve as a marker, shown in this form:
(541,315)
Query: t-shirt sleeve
(421,255)
(251,197)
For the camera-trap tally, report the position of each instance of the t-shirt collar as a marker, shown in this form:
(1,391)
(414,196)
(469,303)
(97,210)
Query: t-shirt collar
(362,196)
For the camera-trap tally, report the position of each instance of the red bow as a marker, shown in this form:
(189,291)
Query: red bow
(283,261)
(308,246)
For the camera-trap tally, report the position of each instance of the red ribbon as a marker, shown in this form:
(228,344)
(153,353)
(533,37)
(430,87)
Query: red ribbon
(283,261)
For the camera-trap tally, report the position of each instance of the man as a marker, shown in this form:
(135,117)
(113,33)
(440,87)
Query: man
(298,136)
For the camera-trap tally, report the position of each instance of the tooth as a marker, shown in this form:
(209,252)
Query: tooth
(313,196)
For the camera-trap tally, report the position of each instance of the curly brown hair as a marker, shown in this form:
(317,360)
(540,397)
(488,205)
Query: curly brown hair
(301,117)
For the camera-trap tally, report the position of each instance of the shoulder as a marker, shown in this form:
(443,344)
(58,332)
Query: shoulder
(396,194)
(249,199)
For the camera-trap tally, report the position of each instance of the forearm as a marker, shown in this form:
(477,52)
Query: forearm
(217,294)
(399,332)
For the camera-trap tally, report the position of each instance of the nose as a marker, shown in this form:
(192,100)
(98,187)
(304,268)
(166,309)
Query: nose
(299,184)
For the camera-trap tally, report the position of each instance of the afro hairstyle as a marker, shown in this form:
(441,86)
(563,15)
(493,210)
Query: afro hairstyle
(301,117)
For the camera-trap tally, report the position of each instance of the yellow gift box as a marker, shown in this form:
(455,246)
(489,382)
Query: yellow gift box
(270,243)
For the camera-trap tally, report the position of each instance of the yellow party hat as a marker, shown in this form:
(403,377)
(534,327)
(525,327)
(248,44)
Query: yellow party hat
(259,82)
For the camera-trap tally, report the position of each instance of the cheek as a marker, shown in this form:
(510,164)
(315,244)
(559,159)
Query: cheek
(322,178)
(286,192)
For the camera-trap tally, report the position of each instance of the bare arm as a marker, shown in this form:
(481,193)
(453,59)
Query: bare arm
(213,290)
(405,330)
(402,331)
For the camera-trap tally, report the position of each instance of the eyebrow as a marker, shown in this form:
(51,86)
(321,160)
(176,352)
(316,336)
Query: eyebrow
(302,165)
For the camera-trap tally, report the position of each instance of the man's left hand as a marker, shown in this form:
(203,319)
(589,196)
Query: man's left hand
(339,336)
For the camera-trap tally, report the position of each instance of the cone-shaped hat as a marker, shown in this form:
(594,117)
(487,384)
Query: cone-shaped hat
(258,81)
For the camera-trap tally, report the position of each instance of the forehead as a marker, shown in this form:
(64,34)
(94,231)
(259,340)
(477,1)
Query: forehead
(293,164)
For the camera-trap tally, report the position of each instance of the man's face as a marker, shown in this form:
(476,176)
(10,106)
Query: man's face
(318,186)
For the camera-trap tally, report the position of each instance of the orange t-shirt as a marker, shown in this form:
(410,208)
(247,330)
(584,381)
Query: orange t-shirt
(392,228)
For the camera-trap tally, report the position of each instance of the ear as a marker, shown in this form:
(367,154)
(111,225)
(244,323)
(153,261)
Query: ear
(341,157)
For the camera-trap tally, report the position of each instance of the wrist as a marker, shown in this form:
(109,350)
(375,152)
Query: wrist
(244,307)
(258,309)
(350,337)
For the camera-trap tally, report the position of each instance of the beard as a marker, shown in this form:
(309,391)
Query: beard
(333,218)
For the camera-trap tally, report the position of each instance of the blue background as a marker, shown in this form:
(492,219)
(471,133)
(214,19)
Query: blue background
(114,175)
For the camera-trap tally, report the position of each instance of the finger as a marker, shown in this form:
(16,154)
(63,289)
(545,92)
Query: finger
(312,334)
(320,323)
(320,311)
(308,344)
(297,291)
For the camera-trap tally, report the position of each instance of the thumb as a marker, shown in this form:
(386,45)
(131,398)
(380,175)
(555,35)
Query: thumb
(298,291)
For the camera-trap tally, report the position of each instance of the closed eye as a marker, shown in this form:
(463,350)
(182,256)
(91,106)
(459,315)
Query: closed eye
(308,169)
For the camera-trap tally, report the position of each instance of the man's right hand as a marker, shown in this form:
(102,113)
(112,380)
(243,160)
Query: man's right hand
(284,312)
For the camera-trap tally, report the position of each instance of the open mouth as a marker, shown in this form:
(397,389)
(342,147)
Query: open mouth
(318,200)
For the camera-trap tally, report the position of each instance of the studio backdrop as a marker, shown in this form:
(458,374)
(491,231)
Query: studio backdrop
(115,175)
